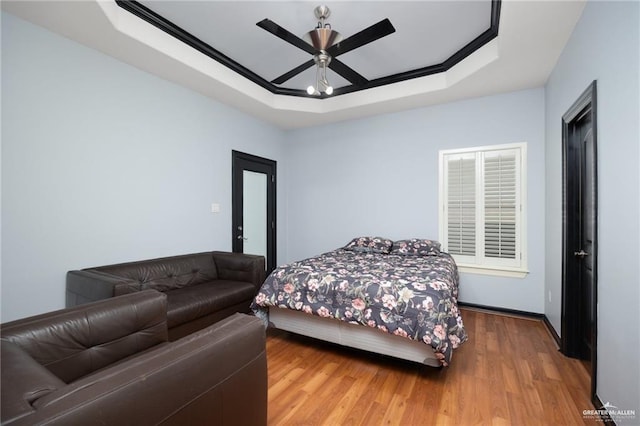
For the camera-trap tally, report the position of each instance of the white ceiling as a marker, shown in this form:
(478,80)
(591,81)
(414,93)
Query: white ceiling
(531,37)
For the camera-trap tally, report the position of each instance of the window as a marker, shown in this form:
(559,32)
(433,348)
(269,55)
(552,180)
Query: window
(482,208)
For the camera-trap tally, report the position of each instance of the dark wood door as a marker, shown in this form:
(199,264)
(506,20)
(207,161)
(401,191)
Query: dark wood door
(584,252)
(254,207)
(580,249)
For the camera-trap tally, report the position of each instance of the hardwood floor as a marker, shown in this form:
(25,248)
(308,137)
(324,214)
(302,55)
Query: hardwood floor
(508,373)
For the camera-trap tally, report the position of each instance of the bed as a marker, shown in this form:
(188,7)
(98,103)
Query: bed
(393,298)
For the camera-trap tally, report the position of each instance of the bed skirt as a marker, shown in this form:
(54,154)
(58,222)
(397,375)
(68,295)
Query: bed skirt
(352,335)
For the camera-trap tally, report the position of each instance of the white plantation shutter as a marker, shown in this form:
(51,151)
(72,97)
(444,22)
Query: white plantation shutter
(501,203)
(481,199)
(461,204)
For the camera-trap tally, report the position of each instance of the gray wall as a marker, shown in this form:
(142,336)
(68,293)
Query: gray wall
(603,47)
(379,176)
(104,163)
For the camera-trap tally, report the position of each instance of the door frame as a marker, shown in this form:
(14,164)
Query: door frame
(242,161)
(569,322)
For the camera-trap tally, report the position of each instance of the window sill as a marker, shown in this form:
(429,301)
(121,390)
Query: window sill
(496,272)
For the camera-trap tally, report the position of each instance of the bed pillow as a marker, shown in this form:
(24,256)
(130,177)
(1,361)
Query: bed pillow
(370,245)
(416,247)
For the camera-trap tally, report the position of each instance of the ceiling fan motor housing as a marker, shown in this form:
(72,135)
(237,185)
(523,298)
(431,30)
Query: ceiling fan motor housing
(322,37)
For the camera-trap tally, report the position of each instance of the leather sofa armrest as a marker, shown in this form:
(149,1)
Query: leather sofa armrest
(89,285)
(24,380)
(240,267)
(217,375)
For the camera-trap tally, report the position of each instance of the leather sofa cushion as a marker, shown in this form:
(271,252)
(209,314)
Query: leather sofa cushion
(169,273)
(190,303)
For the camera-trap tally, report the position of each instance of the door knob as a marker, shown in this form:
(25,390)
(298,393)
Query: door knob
(580,253)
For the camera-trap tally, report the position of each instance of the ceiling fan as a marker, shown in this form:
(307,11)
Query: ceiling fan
(325,44)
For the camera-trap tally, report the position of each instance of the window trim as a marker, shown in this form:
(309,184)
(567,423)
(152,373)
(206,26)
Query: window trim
(481,267)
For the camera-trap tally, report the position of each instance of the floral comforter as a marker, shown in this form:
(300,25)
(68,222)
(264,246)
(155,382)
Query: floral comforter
(410,296)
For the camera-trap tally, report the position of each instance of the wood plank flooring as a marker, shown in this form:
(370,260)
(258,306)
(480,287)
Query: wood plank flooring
(508,373)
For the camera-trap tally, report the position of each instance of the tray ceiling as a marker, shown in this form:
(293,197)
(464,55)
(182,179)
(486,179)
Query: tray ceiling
(531,36)
(429,37)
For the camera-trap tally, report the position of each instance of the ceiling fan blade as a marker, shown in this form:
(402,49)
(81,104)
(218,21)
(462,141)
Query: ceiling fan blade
(297,70)
(366,36)
(348,73)
(291,38)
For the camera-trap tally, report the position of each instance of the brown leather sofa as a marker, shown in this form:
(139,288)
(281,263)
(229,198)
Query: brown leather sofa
(201,288)
(110,363)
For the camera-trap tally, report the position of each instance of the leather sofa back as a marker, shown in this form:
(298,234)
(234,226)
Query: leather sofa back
(73,343)
(166,273)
